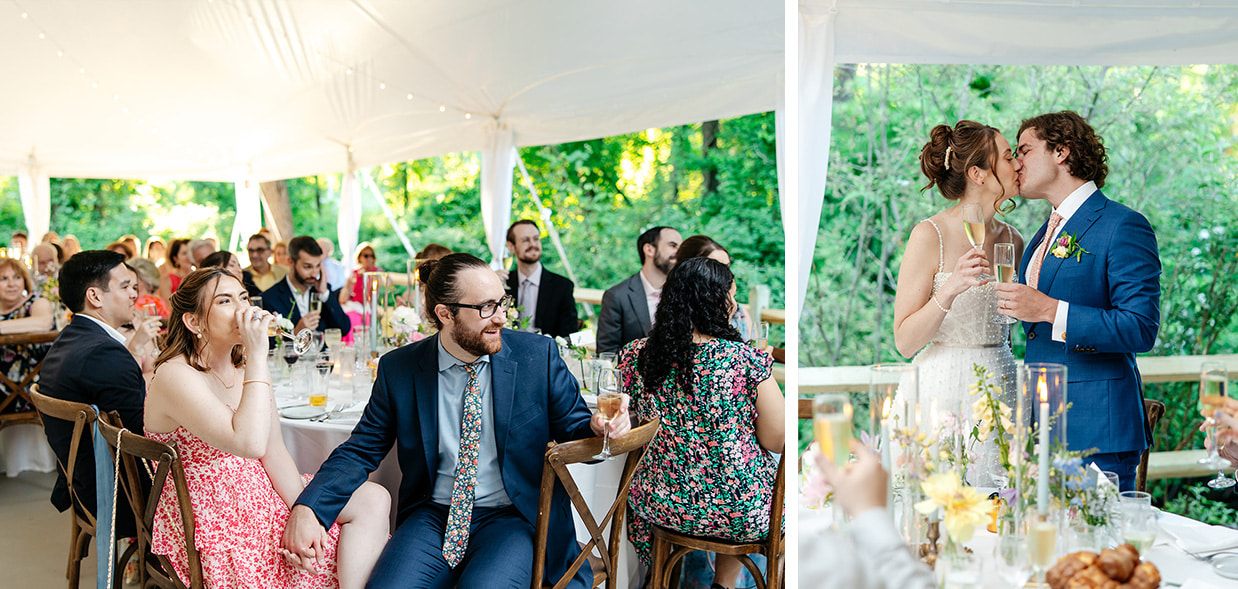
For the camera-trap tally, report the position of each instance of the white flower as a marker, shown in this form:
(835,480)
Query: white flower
(405,320)
(1060,251)
(283,323)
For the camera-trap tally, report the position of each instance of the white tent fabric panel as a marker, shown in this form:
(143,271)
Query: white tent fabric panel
(248,214)
(272,89)
(498,161)
(36,199)
(1017,32)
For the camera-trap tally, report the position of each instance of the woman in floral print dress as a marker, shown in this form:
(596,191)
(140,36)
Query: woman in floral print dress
(709,471)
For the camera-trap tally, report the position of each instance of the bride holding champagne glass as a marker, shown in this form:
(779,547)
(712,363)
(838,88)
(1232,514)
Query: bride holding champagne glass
(945,307)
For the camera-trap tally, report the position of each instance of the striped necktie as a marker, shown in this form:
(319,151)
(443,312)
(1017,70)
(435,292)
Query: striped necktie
(1038,257)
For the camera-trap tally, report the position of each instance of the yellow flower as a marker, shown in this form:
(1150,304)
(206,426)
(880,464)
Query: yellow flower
(1060,251)
(965,507)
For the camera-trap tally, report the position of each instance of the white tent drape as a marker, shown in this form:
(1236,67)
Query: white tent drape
(36,199)
(349,222)
(498,160)
(248,214)
(816,98)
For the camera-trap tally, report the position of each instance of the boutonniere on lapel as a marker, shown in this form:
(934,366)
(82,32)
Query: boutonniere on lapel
(1067,246)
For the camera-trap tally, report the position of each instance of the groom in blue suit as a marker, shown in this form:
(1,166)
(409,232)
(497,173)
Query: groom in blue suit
(1090,292)
(470,412)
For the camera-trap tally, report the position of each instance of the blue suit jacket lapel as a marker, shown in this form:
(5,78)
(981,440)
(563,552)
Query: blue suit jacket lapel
(1078,224)
(425,385)
(503,389)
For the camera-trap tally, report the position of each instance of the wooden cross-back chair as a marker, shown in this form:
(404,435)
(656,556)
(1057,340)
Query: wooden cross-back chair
(669,546)
(140,455)
(11,392)
(554,469)
(1154,410)
(81,522)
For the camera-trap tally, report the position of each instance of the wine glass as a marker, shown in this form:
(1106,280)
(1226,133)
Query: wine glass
(1138,523)
(1213,388)
(1004,271)
(761,339)
(290,352)
(610,385)
(974,228)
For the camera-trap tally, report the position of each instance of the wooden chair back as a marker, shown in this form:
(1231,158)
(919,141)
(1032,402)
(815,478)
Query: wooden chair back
(11,392)
(1155,410)
(555,472)
(138,455)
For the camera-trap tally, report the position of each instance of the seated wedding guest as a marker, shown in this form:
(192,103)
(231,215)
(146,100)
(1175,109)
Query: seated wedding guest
(702,246)
(50,237)
(334,271)
(545,299)
(20,241)
(148,287)
(261,270)
(22,310)
(228,261)
(432,251)
(123,248)
(870,554)
(722,417)
(470,412)
(47,258)
(71,246)
(628,307)
(280,253)
(199,249)
(178,267)
(133,242)
(354,289)
(293,296)
(89,363)
(212,396)
(156,250)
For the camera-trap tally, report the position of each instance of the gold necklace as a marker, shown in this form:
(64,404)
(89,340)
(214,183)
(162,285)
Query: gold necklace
(221,381)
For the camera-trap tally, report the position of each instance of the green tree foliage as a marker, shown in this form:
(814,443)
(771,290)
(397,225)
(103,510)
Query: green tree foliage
(1173,155)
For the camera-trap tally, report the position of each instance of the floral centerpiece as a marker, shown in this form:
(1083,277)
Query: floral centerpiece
(575,356)
(406,324)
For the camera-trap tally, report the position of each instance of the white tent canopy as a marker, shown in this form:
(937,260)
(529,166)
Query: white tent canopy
(234,90)
(1019,32)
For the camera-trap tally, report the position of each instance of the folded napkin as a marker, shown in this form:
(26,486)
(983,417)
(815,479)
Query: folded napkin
(1197,537)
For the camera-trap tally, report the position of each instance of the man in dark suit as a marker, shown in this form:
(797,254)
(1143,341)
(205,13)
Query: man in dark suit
(89,363)
(628,307)
(546,299)
(292,296)
(1091,292)
(470,412)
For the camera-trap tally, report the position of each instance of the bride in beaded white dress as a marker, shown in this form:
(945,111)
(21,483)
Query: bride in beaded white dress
(945,306)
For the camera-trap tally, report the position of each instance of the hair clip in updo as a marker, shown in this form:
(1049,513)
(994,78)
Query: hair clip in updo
(947,162)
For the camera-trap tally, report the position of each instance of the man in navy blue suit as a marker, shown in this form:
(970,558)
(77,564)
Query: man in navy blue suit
(293,297)
(470,412)
(1090,297)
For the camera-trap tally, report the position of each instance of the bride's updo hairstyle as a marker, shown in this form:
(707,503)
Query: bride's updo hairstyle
(194,297)
(949,153)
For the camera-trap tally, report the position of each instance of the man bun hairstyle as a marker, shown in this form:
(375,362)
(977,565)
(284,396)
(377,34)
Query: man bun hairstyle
(441,279)
(303,244)
(950,153)
(1087,159)
(88,269)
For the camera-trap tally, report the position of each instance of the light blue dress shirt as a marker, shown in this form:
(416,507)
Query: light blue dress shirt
(452,378)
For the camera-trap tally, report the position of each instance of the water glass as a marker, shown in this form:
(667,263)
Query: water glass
(1134,498)
(1011,559)
(1138,525)
(962,571)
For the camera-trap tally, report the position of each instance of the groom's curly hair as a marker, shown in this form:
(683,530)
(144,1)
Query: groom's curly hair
(1087,159)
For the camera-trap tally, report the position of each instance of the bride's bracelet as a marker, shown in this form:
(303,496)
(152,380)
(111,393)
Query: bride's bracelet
(265,382)
(938,303)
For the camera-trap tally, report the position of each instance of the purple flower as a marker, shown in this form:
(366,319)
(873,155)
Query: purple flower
(1009,495)
(1064,241)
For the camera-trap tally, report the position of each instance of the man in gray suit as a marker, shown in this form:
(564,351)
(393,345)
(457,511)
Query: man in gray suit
(628,307)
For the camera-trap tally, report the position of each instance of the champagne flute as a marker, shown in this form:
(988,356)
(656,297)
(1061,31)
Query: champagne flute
(974,228)
(1214,383)
(1041,547)
(1004,271)
(761,341)
(315,305)
(609,401)
(831,426)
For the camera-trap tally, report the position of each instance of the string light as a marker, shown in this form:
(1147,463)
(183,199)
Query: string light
(382,85)
(468,115)
(348,71)
(25,15)
(42,35)
(442,108)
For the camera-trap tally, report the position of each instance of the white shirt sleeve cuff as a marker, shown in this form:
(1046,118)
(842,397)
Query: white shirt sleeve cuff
(1059,321)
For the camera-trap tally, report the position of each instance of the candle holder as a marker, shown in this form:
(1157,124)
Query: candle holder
(414,286)
(374,308)
(1043,392)
(896,386)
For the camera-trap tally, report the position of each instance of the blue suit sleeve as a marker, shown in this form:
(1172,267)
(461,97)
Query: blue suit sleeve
(569,416)
(351,463)
(1133,270)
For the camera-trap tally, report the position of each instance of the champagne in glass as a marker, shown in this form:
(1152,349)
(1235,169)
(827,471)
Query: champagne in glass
(761,341)
(831,425)
(315,304)
(973,225)
(1041,547)
(1004,271)
(609,402)
(302,341)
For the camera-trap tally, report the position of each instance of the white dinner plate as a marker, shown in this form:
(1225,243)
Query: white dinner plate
(303,412)
(1226,565)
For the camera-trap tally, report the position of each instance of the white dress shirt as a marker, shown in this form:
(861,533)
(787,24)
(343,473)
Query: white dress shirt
(111,331)
(1066,210)
(652,296)
(301,297)
(526,292)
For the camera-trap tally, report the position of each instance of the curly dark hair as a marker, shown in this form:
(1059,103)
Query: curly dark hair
(694,299)
(1087,159)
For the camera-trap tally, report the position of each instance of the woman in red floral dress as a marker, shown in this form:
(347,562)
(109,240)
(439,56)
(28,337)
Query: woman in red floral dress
(212,396)
(709,471)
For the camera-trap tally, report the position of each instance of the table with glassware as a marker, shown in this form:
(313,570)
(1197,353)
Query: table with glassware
(340,385)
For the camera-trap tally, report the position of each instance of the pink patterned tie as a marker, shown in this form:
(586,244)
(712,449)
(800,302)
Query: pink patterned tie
(1038,257)
(456,536)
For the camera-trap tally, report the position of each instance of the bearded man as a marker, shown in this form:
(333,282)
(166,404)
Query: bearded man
(470,411)
(546,300)
(628,307)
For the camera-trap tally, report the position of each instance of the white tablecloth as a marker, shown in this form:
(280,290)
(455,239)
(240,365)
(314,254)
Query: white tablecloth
(24,447)
(311,442)
(1176,567)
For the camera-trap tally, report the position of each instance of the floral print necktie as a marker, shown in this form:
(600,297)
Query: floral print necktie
(463,490)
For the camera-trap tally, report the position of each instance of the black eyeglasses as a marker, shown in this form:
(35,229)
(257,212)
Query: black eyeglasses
(487,310)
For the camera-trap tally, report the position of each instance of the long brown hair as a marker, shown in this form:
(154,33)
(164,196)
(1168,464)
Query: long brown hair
(949,153)
(194,297)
